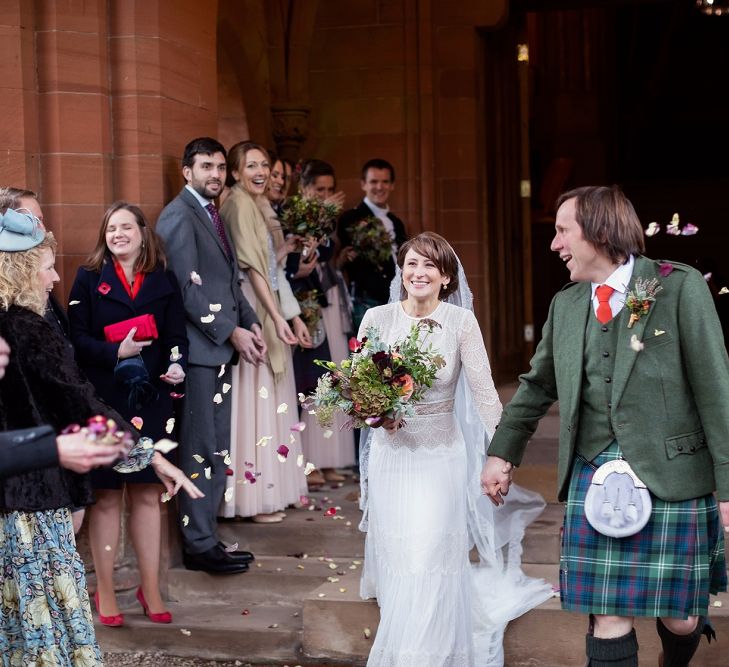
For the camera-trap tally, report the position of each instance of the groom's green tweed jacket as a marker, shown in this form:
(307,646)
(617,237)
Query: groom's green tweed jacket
(670,401)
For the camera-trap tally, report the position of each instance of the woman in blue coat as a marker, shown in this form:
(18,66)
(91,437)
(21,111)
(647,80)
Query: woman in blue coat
(126,277)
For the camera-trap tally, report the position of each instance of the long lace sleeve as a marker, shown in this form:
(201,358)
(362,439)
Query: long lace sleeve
(477,369)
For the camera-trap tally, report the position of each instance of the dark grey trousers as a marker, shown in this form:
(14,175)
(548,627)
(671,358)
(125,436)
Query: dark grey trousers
(204,429)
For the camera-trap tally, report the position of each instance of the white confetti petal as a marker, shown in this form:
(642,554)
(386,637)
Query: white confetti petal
(170,425)
(263,392)
(198,458)
(328,433)
(724,290)
(232,547)
(226,387)
(653,229)
(222,371)
(635,344)
(175,354)
(658,332)
(226,459)
(75,302)
(282,409)
(218,398)
(185,632)
(215,307)
(310,468)
(264,441)
(195,278)
(165,497)
(281,458)
(207,319)
(229,494)
(300,460)
(208,473)
(185,520)
(292,438)
(165,445)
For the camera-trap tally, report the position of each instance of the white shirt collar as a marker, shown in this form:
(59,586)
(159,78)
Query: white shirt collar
(618,279)
(202,201)
(377,210)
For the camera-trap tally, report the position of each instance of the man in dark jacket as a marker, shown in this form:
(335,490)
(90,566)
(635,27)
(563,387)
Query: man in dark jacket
(221,325)
(370,283)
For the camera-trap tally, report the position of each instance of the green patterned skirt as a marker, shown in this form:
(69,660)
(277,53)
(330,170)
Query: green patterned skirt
(45,616)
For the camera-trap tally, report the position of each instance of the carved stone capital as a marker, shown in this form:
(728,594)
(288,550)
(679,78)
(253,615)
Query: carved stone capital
(290,128)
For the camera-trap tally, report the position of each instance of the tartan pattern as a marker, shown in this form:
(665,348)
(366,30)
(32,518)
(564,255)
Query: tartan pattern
(667,569)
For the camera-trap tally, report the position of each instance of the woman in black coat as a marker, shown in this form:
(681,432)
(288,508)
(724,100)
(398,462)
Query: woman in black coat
(126,277)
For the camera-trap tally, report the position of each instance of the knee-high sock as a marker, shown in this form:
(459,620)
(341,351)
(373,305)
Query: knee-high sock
(616,652)
(679,649)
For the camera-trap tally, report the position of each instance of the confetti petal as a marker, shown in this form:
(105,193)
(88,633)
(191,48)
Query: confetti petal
(170,425)
(328,434)
(658,332)
(283,452)
(207,319)
(330,512)
(75,302)
(174,395)
(195,475)
(228,494)
(724,290)
(263,392)
(227,460)
(367,633)
(195,278)
(222,371)
(310,468)
(185,632)
(300,460)
(282,409)
(689,229)
(653,229)
(635,344)
(298,427)
(304,500)
(137,422)
(665,269)
(198,458)
(250,476)
(218,398)
(215,307)
(185,520)
(264,441)
(231,548)
(165,445)
(208,473)
(165,497)
(292,439)
(175,354)
(707,276)
(226,387)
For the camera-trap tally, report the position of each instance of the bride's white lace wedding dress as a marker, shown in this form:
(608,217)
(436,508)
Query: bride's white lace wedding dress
(423,514)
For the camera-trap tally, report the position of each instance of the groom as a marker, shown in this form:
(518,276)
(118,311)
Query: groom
(638,379)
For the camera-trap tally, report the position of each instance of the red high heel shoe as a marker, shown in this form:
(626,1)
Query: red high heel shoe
(112,621)
(164,617)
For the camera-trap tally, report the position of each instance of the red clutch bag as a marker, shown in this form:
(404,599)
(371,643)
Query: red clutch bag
(146,329)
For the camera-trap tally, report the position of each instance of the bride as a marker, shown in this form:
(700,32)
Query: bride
(422,503)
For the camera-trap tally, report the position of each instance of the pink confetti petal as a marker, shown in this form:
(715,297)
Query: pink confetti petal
(250,476)
(298,427)
(304,500)
(137,422)
(689,229)
(665,269)
(174,395)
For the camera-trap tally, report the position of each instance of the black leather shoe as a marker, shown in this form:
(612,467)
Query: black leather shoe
(238,556)
(214,561)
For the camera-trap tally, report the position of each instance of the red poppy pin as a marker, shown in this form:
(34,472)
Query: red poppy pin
(104,288)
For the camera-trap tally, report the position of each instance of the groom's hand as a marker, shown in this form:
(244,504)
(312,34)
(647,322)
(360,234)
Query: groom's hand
(496,479)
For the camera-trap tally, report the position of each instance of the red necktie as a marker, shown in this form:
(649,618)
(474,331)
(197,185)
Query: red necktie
(604,312)
(218,224)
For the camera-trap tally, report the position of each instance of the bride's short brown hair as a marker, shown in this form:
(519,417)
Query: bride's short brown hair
(437,250)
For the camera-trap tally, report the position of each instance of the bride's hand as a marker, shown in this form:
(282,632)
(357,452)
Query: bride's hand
(496,479)
(390,424)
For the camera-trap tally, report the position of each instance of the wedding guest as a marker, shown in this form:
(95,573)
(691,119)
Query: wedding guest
(280,483)
(331,449)
(125,277)
(221,327)
(633,351)
(47,616)
(370,283)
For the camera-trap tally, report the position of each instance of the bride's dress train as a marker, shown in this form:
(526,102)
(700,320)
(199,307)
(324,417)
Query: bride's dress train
(424,511)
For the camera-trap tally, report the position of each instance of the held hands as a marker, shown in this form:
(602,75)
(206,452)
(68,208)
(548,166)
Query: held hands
(250,346)
(301,331)
(496,479)
(173,478)
(80,455)
(174,374)
(724,511)
(4,356)
(130,347)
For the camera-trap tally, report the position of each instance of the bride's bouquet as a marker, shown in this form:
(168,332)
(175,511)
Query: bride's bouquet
(308,217)
(378,381)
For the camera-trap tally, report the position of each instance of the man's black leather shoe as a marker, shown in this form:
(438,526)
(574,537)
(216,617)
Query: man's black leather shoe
(214,561)
(238,556)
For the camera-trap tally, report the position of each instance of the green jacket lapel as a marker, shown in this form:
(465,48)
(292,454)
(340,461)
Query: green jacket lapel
(625,355)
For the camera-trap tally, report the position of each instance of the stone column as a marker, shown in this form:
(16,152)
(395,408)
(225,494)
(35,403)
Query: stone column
(290,128)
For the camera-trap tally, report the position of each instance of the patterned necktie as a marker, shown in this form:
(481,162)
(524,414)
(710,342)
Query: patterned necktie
(604,312)
(218,224)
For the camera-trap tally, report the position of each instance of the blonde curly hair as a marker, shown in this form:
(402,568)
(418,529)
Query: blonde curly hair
(19,282)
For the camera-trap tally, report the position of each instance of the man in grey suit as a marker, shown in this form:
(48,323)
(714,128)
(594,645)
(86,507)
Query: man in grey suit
(221,326)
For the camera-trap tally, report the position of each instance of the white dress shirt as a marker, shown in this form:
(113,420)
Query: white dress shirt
(619,281)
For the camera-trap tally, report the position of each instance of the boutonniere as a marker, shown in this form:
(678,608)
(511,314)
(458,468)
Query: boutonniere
(103,288)
(639,299)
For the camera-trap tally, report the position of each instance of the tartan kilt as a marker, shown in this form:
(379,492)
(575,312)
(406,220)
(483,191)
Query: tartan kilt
(667,569)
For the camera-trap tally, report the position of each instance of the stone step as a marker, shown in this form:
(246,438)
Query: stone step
(336,625)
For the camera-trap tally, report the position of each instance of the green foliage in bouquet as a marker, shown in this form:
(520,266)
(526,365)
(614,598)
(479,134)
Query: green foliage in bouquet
(310,307)
(378,380)
(308,217)
(372,241)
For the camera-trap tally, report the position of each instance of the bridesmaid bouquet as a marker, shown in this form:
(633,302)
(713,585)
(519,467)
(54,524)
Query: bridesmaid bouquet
(372,241)
(378,381)
(311,314)
(308,217)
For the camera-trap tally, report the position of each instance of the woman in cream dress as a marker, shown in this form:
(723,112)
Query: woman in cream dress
(266,478)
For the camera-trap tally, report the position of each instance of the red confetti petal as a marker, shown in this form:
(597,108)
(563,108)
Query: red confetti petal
(283,450)
(175,395)
(229,472)
(250,477)
(245,612)
(330,512)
